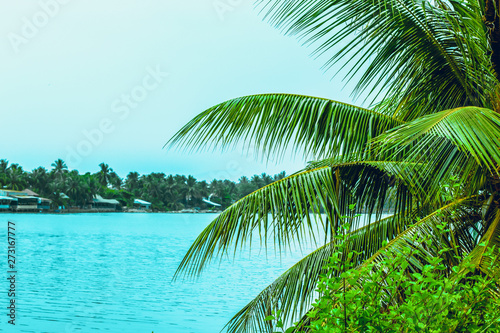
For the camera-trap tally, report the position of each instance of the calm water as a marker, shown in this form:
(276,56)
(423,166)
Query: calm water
(113,272)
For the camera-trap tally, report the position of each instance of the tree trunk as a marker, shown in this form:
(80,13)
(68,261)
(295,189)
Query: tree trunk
(492,21)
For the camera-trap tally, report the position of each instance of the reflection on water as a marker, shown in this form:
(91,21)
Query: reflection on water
(113,273)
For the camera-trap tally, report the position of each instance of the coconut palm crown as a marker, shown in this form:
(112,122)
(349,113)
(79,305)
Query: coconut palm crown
(428,149)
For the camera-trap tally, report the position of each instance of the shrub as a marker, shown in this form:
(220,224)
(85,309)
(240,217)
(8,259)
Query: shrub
(392,294)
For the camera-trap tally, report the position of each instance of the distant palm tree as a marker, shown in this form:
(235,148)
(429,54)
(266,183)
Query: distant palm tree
(4,164)
(59,166)
(202,188)
(279,176)
(257,181)
(172,189)
(92,185)
(191,190)
(154,189)
(115,180)
(245,187)
(104,174)
(16,178)
(76,188)
(131,183)
(39,179)
(59,171)
(56,190)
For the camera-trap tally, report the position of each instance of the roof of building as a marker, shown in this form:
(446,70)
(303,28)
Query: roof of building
(7,198)
(25,197)
(7,191)
(30,192)
(99,199)
(141,202)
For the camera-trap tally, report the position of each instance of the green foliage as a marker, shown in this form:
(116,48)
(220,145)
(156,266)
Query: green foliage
(392,296)
(166,193)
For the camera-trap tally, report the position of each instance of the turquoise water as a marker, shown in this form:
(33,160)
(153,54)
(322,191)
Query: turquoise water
(113,273)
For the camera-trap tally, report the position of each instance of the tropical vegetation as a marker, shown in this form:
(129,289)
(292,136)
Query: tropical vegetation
(427,300)
(428,146)
(165,192)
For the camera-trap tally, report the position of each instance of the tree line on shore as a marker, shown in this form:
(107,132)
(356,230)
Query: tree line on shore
(170,192)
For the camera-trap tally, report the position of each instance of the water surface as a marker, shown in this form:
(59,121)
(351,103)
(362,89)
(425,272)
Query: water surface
(113,273)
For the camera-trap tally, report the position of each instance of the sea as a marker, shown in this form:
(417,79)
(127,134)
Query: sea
(113,272)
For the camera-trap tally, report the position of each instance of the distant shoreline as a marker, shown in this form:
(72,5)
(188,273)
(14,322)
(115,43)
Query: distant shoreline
(85,211)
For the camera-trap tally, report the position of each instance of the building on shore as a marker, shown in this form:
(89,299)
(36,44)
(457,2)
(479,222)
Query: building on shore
(44,204)
(26,203)
(25,200)
(6,203)
(101,204)
(142,204)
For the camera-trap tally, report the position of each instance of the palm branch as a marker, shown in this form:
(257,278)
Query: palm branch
(425,55)
(273,122)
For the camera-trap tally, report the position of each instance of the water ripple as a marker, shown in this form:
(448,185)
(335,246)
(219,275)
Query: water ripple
(113,272)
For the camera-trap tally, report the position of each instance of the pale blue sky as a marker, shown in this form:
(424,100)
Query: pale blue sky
(67,67)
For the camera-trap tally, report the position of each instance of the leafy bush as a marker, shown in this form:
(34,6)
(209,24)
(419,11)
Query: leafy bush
(393,295)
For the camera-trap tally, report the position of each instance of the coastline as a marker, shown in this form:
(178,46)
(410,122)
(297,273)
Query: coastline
(130,211)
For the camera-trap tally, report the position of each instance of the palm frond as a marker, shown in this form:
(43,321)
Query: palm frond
(454,214)
(489,241)
(274,122)
(281,210)
(303,205)
(378,174)
(451,141)
(426,56)
(294,291)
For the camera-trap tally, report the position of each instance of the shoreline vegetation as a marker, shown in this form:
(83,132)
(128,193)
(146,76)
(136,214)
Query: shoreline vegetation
(97,211)
(65,191)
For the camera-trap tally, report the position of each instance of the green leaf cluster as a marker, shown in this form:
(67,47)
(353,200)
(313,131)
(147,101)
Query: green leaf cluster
(391,296)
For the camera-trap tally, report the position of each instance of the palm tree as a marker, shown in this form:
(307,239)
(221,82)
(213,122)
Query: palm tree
(190,189)
(154,190)
(430,142)
(59,167)
(39,180)
(76,188)
(59,172)
(132,181)
(245,187)
(4,164)
(104,174)
(115,180)
(16,177)
(279,176)
(92,186)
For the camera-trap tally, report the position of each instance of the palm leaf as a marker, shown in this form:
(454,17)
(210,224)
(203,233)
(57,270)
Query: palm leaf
(289,210)
(455,214)
(294,291)
(281,210)
(426,56)
(490,239)
(451,141)
(378,174)
(273,122)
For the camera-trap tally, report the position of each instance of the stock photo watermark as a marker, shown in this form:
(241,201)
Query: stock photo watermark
(33,24)
(224,6)
(11,272)
(121,107)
